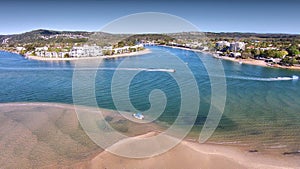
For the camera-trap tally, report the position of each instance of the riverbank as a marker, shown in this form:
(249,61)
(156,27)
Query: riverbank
(142,52)
(48,135)
(257,63)
(241,61)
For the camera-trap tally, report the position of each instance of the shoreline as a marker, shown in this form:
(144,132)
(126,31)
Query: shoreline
(192,152)
(220,156)
(257,63)
(142,52)
(243,61)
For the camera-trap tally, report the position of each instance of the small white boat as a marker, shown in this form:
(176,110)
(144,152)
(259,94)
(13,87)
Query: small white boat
(295,77)
(240,62)
(139,116)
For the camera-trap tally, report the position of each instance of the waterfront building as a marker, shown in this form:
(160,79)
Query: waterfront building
(86,51)
(38,49)
(221,44)
(19,49)
(236,46)
(62,54)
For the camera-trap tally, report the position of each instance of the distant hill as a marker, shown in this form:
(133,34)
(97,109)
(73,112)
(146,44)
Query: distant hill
(43,36)
(235,35)
(253,35)
(51,36)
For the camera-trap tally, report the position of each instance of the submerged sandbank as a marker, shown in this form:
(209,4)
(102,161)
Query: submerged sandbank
(48,135)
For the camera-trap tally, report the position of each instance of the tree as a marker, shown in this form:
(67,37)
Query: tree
(293,51)
(290,61)
(255,52)
(281,54)
(270,53)
(30,47)
(23,52)
(121,44)
(132,49)
(66,55)
(246,54)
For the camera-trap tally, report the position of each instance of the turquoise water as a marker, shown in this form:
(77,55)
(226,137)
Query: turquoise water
(261,111)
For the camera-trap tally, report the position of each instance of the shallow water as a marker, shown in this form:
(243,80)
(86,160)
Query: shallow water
(261,110)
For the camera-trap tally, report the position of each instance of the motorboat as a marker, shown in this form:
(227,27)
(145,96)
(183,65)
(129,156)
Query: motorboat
(139,116)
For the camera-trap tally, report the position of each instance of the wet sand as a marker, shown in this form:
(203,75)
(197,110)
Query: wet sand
(48,135)
(194,155)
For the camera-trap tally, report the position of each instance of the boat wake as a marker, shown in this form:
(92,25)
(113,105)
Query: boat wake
(264,79)
(89,69)
(146,69)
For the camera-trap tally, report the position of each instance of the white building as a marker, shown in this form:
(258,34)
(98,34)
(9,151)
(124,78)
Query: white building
(86,51)
(205,48)
(107,48)
(236,46)
(235,54)
(19,49)
(46,54)
(62,54)
(40,53)
(268,48)
(77,52)
(222,44)
(124,49)
(45,48)
(92,50)
(5,41)
(51,54)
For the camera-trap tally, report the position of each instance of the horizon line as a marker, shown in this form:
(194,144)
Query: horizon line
(88,31)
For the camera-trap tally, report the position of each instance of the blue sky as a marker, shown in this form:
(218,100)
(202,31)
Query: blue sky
(91,15)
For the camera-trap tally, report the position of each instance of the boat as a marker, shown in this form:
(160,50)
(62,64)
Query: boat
(295,77)
(139,116)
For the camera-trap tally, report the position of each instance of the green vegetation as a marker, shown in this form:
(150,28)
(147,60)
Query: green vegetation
(271,53)
(23,52)
(282,46)
(107,52)
(66,55)
(134,39)
(293,50)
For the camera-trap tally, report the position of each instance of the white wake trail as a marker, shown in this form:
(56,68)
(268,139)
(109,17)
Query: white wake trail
(87,69)
(264,79)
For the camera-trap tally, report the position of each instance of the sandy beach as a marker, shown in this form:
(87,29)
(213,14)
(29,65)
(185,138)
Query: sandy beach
(143,52)
(194,155)
(48,135)
(245,61)
(257,63)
